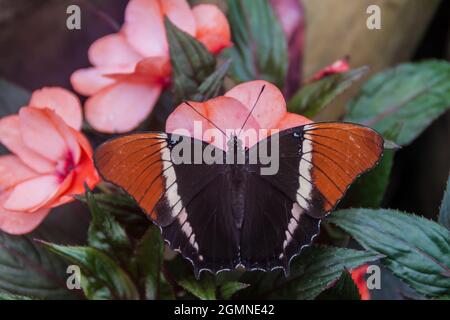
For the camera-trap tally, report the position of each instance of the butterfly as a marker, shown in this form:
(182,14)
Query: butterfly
(224,215)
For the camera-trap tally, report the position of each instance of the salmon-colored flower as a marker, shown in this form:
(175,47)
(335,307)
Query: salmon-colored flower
(338,66)
(50,161)
(230,111)
(359,277)
(131,67)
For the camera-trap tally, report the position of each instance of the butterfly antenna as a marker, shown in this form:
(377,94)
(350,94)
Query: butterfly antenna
(196,111)
(251,111)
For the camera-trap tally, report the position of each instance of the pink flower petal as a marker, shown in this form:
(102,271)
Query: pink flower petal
(63,102)
(84,143)
(59,197)
(89,81)
(338,66)
(13,171)
(155,69)
(271,106)
(183,117)
(180,13)
(122,106)
(227,113)
(17,222)
(10,137)
(112,50)
(213,29)
(31,194)
(144,28)
(144,25)
(40,135)
(291,120)
(67,133)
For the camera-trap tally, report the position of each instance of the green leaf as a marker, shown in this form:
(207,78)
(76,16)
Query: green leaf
(417,250)
(212,85)
(12,98)
(101,277)
(311,273)
(7,296)
(106,234)
(344,289)
(192,63)
(149,261)
(313,97)
(412,95)
(203,288)
(27,269)
(444,213)
(228,289)
(124,209)
(260,49)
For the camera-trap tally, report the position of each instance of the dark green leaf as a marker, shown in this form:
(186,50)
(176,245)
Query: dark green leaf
(124,209)
(260,49)
(228,289)
(106,234)
(149,262)
(27,269)
(212,85)
(312,272)
(192,63)
(444,213)
(344,289)
(7,296)
(203,288)
(417,250)
(101,277)
(313,97)
(412,95)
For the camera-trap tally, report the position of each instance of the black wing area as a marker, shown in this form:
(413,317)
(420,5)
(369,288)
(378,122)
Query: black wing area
(316,165)
(181,193)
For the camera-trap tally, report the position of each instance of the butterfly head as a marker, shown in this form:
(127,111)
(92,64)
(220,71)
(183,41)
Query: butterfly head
(234,143)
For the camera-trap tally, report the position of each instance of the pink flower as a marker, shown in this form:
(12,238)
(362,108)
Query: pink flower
(50,161)
(229,112)
(338,66)
(131,67)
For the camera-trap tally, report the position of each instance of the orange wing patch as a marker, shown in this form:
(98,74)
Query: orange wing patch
(135,163)
(340,153)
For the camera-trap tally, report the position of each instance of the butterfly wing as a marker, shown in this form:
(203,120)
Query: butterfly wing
(185,197)
(317,163)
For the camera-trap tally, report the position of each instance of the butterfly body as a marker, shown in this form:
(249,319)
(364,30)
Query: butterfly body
(233,212)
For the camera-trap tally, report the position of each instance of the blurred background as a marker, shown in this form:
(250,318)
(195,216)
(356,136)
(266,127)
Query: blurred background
(38,50)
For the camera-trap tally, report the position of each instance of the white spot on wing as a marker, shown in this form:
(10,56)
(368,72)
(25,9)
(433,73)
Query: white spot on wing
(305,178)
(296,213)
